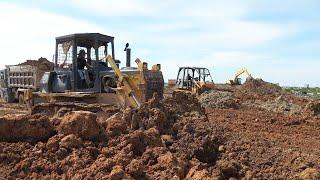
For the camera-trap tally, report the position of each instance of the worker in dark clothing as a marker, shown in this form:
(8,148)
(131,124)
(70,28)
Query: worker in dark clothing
(189,77)
(84,76)
(189,80)
(81,60)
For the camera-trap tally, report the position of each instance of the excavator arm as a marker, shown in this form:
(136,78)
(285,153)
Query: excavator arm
(196,83)
(235,80)
(242,71)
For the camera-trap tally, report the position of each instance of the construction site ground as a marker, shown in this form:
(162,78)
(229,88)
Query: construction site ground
(255,130)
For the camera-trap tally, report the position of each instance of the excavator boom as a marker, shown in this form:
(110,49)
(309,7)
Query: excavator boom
(235,80)
(242,71)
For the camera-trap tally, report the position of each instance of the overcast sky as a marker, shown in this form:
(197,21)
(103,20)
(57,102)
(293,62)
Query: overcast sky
(279,41)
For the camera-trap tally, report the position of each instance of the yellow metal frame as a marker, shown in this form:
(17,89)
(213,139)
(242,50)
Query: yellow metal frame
(128,88)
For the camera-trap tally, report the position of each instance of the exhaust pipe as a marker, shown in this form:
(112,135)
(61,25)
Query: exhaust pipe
(128,62)
(128,55)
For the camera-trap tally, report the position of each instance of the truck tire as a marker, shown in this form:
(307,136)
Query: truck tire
(6,96)
(2,95)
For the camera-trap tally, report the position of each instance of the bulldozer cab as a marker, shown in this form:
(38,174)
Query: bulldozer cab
(83,55)
(193,78)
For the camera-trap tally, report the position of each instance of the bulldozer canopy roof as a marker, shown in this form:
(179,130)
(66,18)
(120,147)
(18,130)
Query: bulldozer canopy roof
(85,36)
(192,68)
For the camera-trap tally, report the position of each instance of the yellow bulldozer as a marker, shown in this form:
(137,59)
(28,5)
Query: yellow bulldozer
(194,79)
(85,71)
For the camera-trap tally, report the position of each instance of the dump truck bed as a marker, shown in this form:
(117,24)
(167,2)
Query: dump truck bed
(25,76)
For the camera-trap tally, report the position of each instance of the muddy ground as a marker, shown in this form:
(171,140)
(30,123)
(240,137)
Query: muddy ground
(255,130)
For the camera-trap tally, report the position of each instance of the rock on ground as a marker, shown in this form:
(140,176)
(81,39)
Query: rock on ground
(82,124)
(26,128)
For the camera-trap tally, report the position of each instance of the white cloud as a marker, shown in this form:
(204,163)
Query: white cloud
(215,10)
(112,7)
(171,25)
(234,59)
(29,33)
(175,9)
(222,35)
(245,33)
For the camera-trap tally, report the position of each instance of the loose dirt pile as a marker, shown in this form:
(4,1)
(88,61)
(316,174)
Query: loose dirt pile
(313,107)
(59,109)
(270,145)
(165,139)
(277,105)
(12,109)
(41,63)
(218,99)
(260,87)
(173,138)
(258,94)
(26,128)
(272,135)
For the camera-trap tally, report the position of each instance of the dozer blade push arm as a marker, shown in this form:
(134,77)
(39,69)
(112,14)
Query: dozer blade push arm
(196,83)
(125,89)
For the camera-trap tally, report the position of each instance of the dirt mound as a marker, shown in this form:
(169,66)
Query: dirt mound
(310,173)
(277,105)
(163,114)
(163,139)
(25,128)
(258,89)
(261,87)
(267,145)
(313,107)
(196,138)
(41,63)
(171,138)
(256,93)
(59,109)
(218,99)
(82,124)
(182,133)
(9,109)
(180,103)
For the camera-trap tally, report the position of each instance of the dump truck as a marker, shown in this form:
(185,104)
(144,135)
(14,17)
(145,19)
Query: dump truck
(94,80)
(17,81)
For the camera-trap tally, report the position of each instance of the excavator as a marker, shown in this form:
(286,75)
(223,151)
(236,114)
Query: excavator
(236,80)
(194,79)
(99,80)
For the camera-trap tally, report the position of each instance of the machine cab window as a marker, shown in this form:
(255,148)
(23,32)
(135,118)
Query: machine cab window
(193,78)
(83,55)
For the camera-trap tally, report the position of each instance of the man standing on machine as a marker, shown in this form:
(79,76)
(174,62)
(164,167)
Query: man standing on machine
(81,60)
